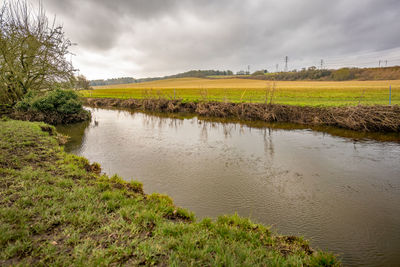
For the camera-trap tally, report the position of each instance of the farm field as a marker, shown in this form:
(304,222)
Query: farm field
(302,93)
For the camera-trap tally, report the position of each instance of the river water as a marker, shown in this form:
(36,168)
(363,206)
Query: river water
(343,194)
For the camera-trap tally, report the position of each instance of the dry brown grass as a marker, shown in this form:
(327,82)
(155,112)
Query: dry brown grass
(359,118)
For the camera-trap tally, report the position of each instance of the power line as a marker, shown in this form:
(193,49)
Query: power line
(358,57)
(352,63)
(370,54)
(360,62)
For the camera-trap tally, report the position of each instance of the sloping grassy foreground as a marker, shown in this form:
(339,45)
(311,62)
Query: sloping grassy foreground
(55,210)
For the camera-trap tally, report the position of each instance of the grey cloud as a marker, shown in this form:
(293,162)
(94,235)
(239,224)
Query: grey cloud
(171,35)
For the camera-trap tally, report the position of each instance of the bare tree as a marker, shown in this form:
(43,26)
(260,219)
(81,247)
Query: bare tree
(32,51)
(82,83)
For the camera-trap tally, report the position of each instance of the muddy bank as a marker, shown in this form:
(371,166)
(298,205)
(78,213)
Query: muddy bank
(53,118)
(358,118)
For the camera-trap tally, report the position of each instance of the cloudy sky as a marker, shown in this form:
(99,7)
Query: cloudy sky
(145,38)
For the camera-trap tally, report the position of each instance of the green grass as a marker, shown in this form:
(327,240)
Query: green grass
(301,93)
(55,209)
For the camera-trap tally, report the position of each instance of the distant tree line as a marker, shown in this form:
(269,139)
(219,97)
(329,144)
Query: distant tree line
(343,74)
(191,73)
(201,73)
(121,80)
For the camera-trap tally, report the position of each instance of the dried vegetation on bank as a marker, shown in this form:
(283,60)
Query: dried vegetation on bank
(358,118)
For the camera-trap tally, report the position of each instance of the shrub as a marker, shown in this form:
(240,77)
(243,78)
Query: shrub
(60,101)
(25,103)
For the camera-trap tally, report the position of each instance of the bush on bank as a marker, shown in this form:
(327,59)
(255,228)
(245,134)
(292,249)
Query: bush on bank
(61,101)
(54,107)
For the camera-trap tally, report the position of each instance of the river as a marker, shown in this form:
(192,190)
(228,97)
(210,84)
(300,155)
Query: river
(343,194)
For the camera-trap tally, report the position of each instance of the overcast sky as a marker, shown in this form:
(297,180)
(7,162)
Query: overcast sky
(142,38)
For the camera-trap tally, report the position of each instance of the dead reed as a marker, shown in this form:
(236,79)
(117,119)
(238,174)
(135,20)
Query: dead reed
(358,118)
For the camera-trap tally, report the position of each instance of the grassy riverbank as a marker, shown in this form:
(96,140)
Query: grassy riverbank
(298,93)
(55,209)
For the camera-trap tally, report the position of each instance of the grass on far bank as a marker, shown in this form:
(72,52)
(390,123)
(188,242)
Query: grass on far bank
(302,93)
(55,209)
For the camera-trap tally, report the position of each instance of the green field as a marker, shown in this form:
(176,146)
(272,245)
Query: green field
(56,210)
(303,93)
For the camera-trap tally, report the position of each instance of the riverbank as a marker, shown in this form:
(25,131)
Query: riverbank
(53,118)
(357,118)
(57,209)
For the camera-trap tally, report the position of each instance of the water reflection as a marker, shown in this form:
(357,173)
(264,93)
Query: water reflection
(75,134)
(342,193)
